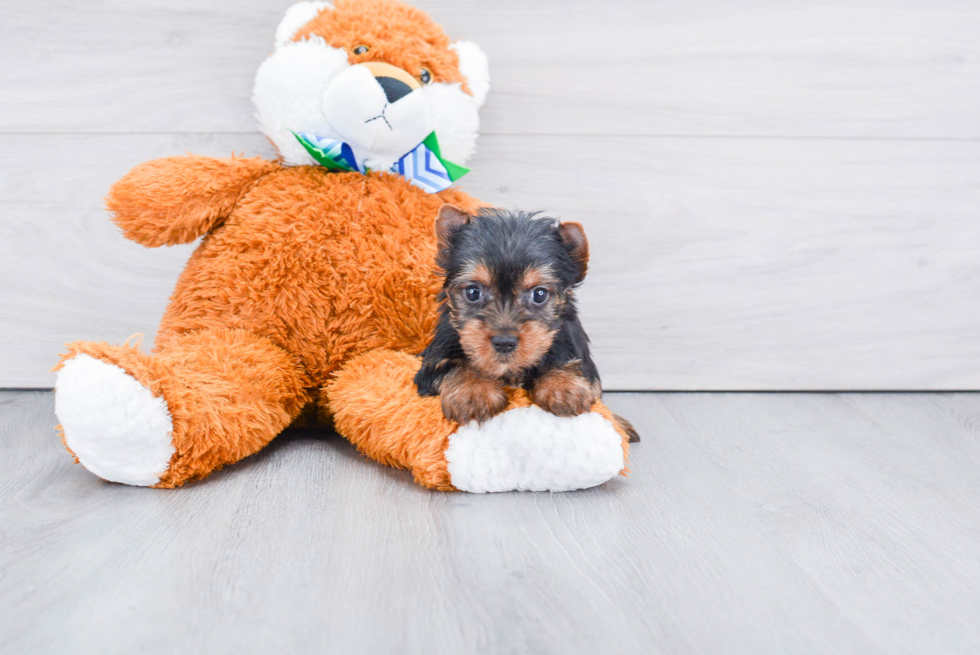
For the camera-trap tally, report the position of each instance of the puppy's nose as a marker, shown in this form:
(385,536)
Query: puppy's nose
(396,82)
(504,343)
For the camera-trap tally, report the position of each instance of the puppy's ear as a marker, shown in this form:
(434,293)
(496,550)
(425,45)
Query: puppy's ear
(450,217)
(573,236)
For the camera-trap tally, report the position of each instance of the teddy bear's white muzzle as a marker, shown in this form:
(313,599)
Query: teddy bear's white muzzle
(360,113)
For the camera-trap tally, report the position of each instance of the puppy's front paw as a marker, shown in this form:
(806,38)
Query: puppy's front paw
(564,392)
(468,396)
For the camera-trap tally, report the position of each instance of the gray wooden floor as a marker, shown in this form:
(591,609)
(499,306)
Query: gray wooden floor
(752,523)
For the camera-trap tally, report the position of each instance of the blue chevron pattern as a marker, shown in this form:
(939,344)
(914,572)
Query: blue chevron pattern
(329,152)
(423,169)
(422,166)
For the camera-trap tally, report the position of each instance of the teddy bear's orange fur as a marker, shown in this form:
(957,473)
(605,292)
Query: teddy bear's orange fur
(396,34)
(310,290)
(301,270)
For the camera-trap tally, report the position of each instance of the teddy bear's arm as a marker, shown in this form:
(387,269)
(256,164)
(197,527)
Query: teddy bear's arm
(177,199)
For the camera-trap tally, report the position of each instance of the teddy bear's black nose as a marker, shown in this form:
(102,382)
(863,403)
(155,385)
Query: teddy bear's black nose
(504,343)
(394,89)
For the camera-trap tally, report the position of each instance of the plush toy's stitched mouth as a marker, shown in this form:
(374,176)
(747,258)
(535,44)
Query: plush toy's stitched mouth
(382,117)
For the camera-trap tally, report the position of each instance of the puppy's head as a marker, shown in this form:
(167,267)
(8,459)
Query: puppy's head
(509,284)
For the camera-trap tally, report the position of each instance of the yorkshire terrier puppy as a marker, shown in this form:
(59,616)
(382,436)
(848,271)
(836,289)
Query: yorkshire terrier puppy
(508,317)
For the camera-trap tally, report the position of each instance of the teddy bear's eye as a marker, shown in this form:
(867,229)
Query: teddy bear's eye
(361,49)
(425,76)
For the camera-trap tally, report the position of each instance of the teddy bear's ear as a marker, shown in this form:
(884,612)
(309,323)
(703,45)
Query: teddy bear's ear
(296,17)
(475,68)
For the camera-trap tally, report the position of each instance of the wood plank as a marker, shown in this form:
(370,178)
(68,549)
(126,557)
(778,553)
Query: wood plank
(717,263)
(766,264)
(66,272)
(756,523)
(877,516)
(907,69)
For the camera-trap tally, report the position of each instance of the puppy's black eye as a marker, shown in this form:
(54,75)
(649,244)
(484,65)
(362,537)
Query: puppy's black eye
(539,296)
(425,76)
(472,293)
(361,49)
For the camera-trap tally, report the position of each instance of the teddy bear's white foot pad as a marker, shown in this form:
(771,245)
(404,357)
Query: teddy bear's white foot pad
(528,449)
(115,426)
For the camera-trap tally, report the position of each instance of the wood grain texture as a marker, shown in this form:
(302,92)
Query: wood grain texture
(780,195)
(716,263)
(906,68)
(751,523)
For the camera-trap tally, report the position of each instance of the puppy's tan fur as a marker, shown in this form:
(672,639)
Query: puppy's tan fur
(467,395)
(564,392)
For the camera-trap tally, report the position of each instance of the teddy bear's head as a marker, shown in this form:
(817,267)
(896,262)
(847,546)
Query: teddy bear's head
(376,75)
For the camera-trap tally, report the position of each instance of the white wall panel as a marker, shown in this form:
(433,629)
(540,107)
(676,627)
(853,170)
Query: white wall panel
(780,195)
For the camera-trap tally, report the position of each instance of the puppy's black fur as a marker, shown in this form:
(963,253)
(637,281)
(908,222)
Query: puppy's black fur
(509,245)
(508,316)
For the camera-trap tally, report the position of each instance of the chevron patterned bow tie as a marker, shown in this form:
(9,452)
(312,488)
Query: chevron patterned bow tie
(422,166)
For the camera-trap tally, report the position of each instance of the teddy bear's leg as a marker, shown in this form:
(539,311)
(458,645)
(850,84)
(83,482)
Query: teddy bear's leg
(375,405)
(208,398)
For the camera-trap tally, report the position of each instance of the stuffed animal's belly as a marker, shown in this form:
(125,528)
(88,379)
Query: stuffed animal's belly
(326,265)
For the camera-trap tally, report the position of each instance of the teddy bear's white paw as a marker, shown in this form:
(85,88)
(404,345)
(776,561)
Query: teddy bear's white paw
(528,449)
(115,426)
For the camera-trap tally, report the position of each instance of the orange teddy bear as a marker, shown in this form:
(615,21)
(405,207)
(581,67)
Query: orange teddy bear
(314,287)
